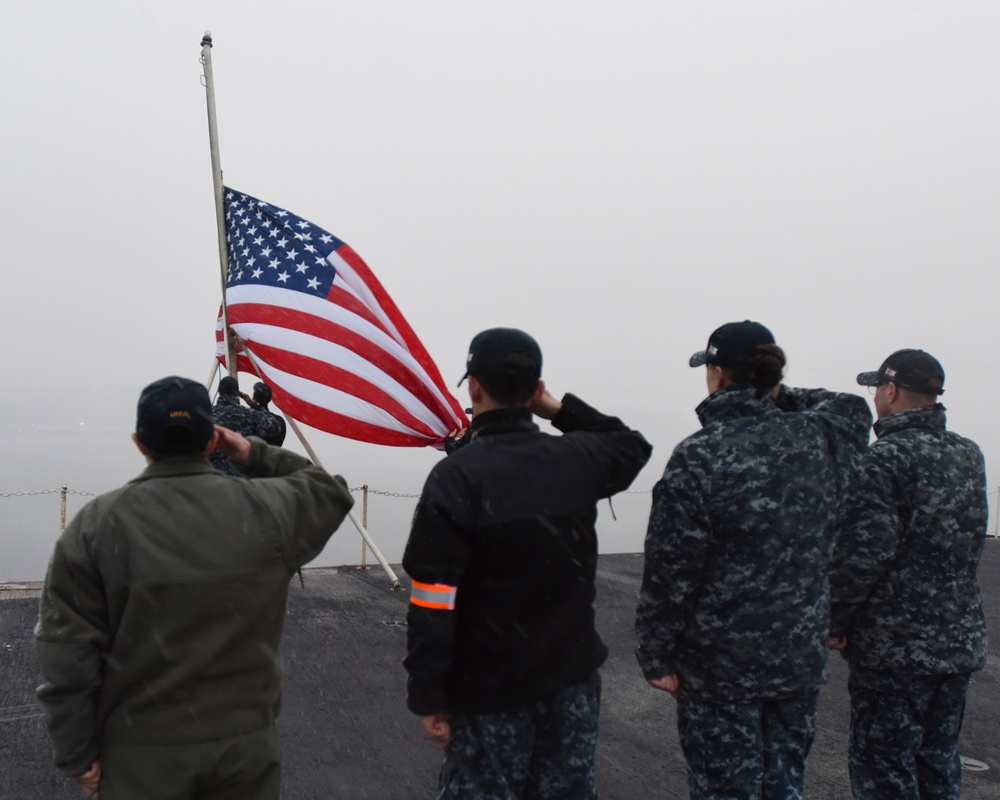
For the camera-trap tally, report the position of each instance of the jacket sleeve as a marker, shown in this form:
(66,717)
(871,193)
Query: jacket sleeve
(71,639)
(868,541)
(307,503)
(677,547)
(436,557)
(265,424)
(847,416)
(617,451)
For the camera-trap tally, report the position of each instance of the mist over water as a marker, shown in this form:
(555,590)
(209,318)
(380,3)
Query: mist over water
(92,461)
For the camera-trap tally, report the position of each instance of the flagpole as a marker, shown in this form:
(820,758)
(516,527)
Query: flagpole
(312,454)
(366,537)
(220,207)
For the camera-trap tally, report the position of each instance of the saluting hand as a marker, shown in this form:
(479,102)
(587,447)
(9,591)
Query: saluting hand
(233,446)
(545,405)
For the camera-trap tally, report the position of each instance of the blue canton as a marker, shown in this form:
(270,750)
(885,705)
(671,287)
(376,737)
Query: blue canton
(272,247)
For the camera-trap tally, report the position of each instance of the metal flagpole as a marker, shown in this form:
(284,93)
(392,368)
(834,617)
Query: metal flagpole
(315,458)
(212,373)
(220,208)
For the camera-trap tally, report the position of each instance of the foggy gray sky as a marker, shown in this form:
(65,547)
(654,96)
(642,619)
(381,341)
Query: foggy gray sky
(617,179)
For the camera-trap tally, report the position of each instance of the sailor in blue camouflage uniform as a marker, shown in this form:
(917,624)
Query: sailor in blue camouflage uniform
(246,421)
(906,606)
(502,649)
(261,398)
(733,615)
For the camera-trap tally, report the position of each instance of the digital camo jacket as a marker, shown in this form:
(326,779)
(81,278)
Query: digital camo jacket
(229,413)
(734,596)
(904,585)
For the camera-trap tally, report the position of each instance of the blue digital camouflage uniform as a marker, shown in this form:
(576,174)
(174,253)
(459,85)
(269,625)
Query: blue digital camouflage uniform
(734,597)
(487,757)
(905,594)
(230,413)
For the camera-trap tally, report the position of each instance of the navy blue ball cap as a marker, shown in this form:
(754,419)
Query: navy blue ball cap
(909,369)
(490,348)
(174,416)
(262,392)
(229,386)
(733,345)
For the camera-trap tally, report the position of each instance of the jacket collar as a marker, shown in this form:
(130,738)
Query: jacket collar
(735,401)
(928,417)
(501,420)
(175,465)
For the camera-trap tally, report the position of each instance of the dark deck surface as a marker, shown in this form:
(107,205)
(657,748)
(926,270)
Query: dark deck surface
(346,731)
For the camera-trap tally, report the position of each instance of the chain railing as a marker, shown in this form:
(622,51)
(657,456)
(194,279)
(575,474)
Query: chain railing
(993,498)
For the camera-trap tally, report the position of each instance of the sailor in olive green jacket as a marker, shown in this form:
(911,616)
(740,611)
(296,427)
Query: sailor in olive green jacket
(163,608)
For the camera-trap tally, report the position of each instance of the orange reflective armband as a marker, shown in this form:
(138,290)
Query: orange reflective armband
(433,595)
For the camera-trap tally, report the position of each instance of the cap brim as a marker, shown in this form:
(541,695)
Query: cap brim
(462,380)
(698,359)
(868,378)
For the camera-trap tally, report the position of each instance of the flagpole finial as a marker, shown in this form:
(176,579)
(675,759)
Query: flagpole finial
(207,38)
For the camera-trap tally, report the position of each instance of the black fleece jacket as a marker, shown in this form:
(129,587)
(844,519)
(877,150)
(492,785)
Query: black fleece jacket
(508,521)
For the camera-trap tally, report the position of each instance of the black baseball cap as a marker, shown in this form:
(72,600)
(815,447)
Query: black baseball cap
(733,345)
(174,416)
(229,385)
(491,347)
(909,369)
(262,392)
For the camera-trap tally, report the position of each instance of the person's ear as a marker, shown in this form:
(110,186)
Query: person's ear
(539,391)
(142,448)
(475,390)
(212,443)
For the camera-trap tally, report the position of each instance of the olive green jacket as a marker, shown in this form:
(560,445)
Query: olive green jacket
(163,606)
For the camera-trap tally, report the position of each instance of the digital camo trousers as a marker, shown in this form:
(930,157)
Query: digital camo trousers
(746,751)
(541,752)
(904,735)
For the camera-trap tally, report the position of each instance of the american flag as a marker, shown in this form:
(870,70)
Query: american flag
(327,338)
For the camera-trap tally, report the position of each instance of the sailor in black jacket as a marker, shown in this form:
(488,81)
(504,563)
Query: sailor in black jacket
(503,652)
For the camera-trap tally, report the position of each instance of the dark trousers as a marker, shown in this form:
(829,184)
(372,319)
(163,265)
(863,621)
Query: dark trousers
(242,768)
(904,735)
(542,752)
(746,751)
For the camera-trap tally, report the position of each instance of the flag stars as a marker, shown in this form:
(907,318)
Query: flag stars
(313,283)
(282,242)
(292,254)
(309,248)
(258,272)
(272,264)
(259,241)
(326,238)
(302,224)
(266,252)
(301,268)
(283,277)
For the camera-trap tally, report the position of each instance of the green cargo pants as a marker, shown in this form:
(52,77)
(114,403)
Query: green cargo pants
(242,768)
